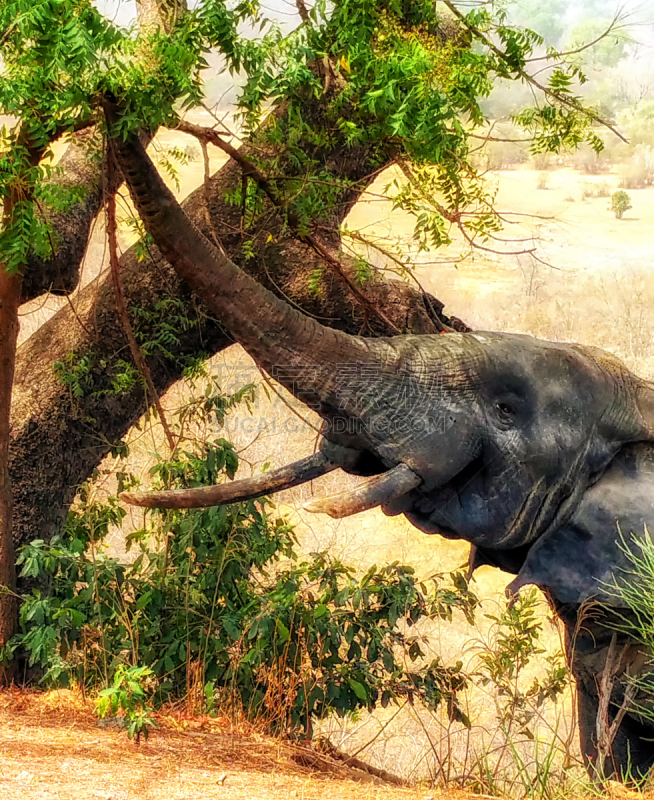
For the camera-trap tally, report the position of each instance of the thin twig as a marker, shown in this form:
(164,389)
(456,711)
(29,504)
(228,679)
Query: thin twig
(606,733)
(528,78)
(382,728)
(405,270)
(206,187)
(455,217)
(272,388)
(121,306)
(499,139)
(581,48)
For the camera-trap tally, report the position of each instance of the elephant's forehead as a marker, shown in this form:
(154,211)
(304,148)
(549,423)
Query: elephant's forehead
(413,374)
(477,358)
(548,365)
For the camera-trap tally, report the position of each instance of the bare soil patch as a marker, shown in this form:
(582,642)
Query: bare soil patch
(52,747)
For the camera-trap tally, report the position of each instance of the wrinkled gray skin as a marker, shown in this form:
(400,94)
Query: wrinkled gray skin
(583,560)
(534,452)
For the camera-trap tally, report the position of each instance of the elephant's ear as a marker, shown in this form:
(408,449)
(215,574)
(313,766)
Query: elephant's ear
(584,557)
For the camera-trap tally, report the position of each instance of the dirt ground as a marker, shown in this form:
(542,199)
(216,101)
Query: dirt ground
(51,746)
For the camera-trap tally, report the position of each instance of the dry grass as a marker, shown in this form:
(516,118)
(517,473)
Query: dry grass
(51,747)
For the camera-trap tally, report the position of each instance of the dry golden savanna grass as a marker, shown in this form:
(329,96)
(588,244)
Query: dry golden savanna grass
(51,747)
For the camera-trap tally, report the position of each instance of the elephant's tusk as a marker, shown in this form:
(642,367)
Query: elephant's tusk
(274,481)
(380,489)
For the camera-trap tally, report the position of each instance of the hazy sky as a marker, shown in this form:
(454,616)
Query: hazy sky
(124,11)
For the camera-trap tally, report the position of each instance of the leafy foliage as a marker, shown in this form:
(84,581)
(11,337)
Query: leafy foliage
(158,331)
(205,608)
(515,643)
(520,704)
(129,694)
(393,78)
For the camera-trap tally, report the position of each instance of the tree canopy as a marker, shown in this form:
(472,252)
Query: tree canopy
(388,75)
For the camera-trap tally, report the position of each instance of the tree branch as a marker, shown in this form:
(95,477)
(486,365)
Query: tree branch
(567,101)
(302,11)
(250,170)
(121,306)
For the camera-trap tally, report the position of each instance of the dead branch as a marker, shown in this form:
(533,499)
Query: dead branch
(606,732)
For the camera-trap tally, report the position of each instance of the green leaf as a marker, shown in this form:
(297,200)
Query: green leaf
(282,631)
(358,689)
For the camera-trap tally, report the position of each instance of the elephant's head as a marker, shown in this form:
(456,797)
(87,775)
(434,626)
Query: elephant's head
(505,432)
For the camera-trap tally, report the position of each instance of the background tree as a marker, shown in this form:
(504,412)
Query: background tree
(620,203)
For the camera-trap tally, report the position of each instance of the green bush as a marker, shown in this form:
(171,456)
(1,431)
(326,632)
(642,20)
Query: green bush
(218,608)
(620,203)
(129,694)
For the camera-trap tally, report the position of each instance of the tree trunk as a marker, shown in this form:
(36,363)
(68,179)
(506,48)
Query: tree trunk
(10,290)
(80,166)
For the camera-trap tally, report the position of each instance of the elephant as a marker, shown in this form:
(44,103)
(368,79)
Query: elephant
(537,453)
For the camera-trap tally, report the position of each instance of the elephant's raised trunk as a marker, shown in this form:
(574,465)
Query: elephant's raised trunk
(299,352)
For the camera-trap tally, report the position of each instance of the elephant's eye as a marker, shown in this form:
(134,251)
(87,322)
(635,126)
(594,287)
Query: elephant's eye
(506,411)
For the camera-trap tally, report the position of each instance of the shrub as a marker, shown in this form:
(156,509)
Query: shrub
(620,203)
(193,152)
(521,754)
(543,161)
(603,189)
(206,613)
(600,189)
(638,123)
(638,173)
(587,160)
(129,694)
(503,155)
